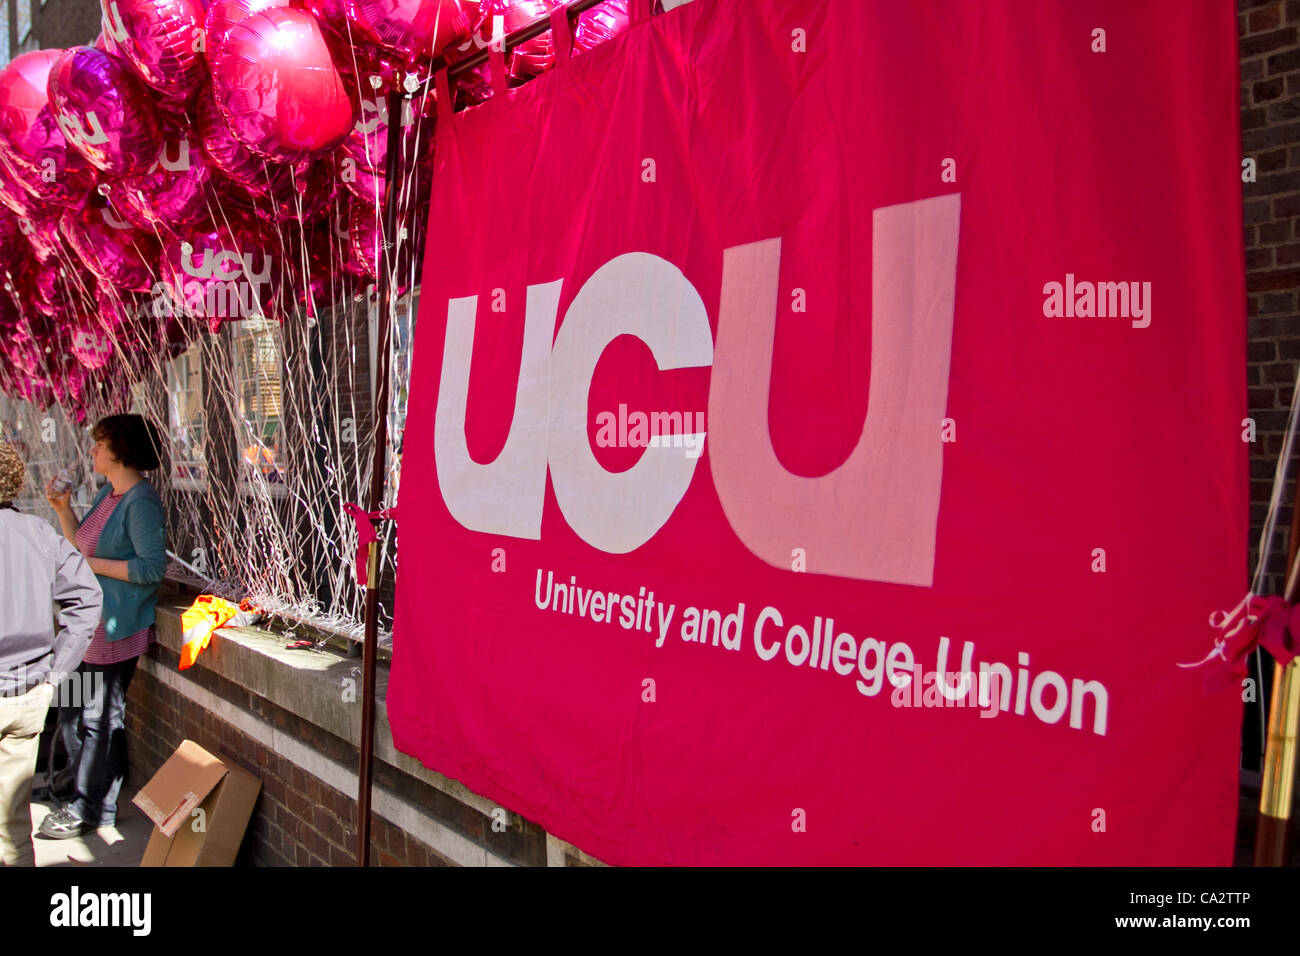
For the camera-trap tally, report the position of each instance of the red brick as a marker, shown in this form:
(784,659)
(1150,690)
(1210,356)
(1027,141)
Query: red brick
(1271,161)
(1281,373)
(1265,351)
(1284,62)
(1287,109)
(1274,232)
(1269,89)
(1257,211)
(297,804)
(1265,18)
(1267,42)
(316,844)
(1273,281)
(341,857)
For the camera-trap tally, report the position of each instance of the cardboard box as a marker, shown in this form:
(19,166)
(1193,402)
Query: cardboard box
(193,780)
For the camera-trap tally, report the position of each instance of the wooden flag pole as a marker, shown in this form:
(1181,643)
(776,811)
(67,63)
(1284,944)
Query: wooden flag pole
(378,472)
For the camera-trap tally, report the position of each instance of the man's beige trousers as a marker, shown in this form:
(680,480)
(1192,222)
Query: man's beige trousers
(21,721)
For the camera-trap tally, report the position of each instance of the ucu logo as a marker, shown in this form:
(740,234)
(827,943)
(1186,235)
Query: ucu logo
(497,42)
(379,108)
(89,343)
(226,265)
(178,165)
(380,111)
(224,286)
(112,220)
(75,132)
(872,518)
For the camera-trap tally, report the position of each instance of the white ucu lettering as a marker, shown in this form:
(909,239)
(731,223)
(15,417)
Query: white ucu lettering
(91,342)
(874,517)
(75,132)
(113,26)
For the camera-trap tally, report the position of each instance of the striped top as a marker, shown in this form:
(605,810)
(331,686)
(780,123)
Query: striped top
(102,650)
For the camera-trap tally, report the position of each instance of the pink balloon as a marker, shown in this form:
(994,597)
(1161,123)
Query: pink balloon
(12,243)
(35,148)
(42,232)
(15,198)
(218,275)
(117,308)
(279,89)
(176,191)
(9,317)
(229,155)
(414,29)
(104,111)
(111,249)
(48,290)
(225,14)
(90,344)
(27,354)
(157,39)
(365,233)
(362,161)
(530,58)
(601,23)
(300,198)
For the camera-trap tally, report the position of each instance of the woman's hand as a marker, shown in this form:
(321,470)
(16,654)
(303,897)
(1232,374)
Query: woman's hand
(60,501)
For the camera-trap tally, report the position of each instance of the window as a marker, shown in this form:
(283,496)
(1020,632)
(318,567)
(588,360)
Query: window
(257,365)
(4,31)
(186,419)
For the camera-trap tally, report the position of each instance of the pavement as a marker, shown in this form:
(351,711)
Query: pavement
(120,845)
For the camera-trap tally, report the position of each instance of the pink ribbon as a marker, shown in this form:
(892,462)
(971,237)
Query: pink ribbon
(1267,622)
(366,535)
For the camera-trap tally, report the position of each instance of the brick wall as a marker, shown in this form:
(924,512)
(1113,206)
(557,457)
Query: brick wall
(299,820)
(1269,37)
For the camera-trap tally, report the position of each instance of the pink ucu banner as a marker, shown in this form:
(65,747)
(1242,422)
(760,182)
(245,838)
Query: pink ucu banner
(765,500)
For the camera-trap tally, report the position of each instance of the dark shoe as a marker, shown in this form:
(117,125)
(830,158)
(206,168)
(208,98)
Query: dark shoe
(64,789)
(62,824)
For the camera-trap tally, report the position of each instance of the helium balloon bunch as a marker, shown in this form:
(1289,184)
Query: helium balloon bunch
(212,173)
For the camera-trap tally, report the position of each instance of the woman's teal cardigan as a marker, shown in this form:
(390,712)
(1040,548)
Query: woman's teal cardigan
(135,533)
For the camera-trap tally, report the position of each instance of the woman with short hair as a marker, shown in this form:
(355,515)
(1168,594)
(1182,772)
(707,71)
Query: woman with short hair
(124,538)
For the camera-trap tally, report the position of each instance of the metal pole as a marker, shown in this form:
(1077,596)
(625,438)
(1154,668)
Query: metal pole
(1277,784)
(512,40)
(378,471)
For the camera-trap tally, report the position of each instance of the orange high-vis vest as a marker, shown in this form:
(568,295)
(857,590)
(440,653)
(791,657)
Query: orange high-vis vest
(199,620)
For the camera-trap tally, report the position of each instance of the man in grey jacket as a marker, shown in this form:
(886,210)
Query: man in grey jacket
(38,566)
